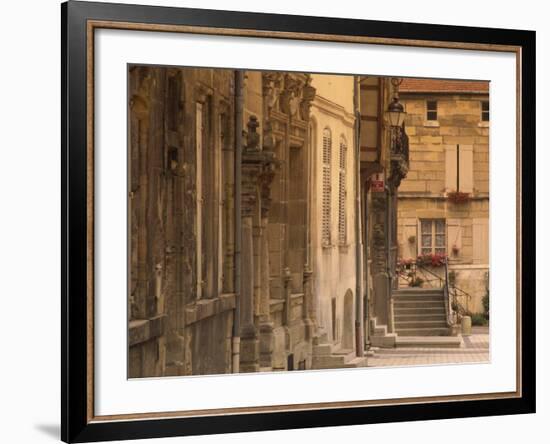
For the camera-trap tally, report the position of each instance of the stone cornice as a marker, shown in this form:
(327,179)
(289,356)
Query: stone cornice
(332,109)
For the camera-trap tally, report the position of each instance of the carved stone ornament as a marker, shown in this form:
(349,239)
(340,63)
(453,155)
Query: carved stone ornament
(258,170)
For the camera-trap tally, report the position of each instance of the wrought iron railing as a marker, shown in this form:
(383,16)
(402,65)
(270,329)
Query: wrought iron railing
(416,274)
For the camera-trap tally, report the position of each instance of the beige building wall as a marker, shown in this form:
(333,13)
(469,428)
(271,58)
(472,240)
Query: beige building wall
(333,258)
(435,171)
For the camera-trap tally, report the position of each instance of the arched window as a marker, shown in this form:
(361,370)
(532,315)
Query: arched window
(326,188)
(342,193)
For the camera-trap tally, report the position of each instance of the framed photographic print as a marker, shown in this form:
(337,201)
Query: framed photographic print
(276,221)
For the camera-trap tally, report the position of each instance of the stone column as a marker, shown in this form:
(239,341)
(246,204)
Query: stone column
(379,265)
(249,352)
(266,326)
(309,309)
(287,277)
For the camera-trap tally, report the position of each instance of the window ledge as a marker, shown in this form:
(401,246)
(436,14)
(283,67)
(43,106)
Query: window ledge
(483,124)
(343,248)
(431,123)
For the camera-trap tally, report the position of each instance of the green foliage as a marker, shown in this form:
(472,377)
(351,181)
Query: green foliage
(478,319)
(485,302)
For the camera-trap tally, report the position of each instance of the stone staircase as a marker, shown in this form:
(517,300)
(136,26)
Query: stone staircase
(420,312)
(420,319)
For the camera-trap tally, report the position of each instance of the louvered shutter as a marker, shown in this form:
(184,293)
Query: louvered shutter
(342,194)
(327,148)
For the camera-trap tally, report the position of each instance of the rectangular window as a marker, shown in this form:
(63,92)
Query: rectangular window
(485,111)
(431,110)
(433,236)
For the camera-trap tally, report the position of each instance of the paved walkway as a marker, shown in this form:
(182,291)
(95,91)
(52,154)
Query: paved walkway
(475,349)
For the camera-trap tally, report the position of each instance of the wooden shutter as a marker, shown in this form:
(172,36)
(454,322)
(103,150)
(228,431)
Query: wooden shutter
(480,241)
(466,170)
(454,236)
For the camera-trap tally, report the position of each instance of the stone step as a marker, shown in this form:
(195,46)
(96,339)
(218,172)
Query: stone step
(422,332)
(419,297)
(358,361)
(420,317)
(413,291)
(338,359)
(330,361)
(398,311)
(418,304)
(428,342)
(420,324)
(322,350)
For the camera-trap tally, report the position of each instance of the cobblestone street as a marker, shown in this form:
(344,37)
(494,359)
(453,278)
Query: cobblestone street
(475,349)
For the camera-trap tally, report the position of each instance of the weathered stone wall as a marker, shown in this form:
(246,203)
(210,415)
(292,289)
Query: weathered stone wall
(433,176)
(182,299)
(181,181)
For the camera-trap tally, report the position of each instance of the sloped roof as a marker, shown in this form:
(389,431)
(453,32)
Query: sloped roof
(413,85)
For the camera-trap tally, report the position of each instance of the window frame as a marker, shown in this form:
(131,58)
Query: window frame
(485,112)
(433,236)
(431,110)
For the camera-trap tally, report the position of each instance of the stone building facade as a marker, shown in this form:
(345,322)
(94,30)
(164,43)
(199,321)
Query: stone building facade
(333,237)
(448,127)
(384,163)
(245,240)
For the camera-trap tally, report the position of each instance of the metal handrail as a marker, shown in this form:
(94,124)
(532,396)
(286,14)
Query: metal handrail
(450,292)
(447,297)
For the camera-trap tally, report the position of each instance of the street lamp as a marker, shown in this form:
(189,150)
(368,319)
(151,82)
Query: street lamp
(395,114)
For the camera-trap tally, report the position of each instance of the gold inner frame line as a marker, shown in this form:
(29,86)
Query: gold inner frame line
(92,25)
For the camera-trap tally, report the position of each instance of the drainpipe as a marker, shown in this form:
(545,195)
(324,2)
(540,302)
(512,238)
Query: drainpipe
(238,101)
(389,261)
(366,314)
(359,346)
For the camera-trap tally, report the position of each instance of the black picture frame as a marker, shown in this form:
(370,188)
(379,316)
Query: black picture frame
(76,424)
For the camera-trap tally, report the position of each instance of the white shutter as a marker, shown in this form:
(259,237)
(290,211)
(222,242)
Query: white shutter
(450,167)
(326,187)
(466,168)
(454,236)
(410,230)
(342,194)
(480,241)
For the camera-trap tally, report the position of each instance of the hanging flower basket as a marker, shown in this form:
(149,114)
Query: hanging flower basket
(458,197)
